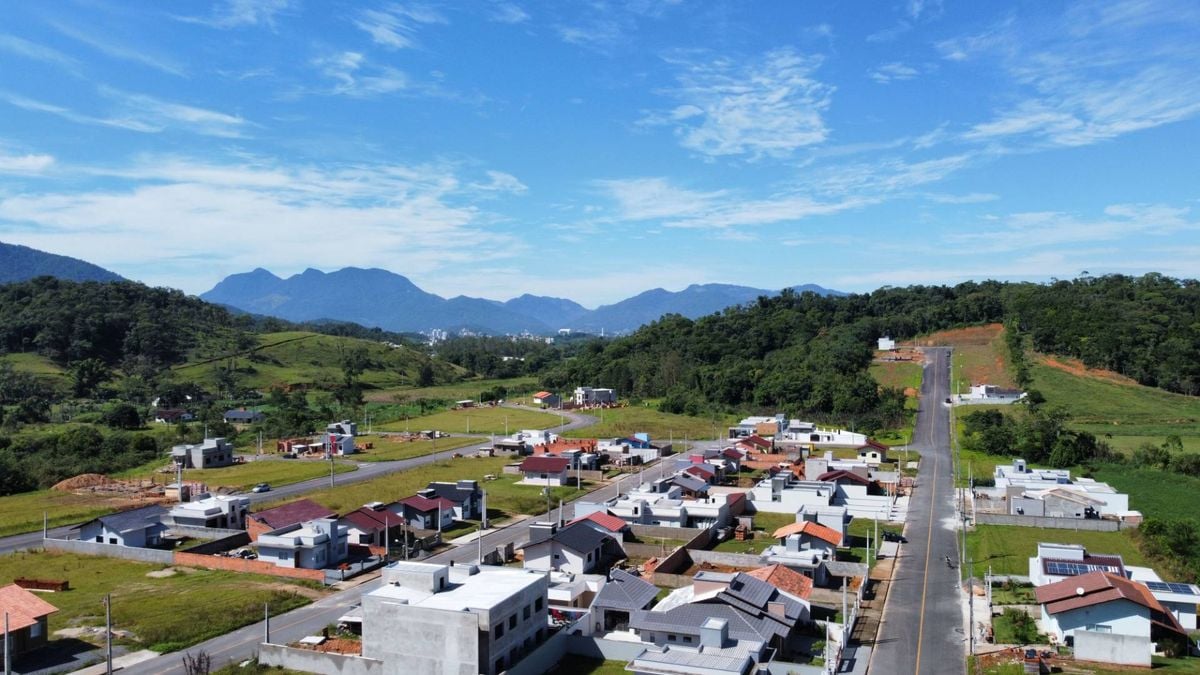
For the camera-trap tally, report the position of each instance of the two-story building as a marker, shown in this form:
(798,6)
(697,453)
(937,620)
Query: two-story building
(578,548)
(207,510)
(209,454)
(314,545)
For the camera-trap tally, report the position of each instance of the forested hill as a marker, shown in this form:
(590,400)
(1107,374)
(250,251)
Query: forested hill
(20,263)
(805,352)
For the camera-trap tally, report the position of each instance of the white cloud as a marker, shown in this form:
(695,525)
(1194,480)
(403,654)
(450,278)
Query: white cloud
(396,25)
(769,107)
(498,181)
(31,50)
(354,76)
(1039,230)
(25,164)
(188,223)
(655,198)
(509,12)
(891,72)
(119,51)
(142,113)
(969,198)
(242,13)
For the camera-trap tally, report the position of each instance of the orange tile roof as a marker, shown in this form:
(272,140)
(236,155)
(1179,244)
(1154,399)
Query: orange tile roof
(605,520)
(786,580)
(1098,588)
(811,529)
(24,608)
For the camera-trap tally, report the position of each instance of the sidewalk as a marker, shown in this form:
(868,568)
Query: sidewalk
(866,628)
(119,662)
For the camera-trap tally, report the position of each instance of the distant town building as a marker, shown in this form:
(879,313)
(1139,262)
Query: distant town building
(210,454)
(886,344)
(589,396)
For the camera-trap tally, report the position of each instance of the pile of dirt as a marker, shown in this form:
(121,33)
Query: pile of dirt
(81,482)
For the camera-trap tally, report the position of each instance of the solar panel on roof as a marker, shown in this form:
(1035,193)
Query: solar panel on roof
(1185,589)
(1158,586)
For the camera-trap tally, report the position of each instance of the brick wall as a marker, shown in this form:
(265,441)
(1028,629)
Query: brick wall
(256,528)
(213,562)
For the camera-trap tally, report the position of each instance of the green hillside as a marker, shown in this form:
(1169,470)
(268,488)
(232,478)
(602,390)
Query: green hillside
(295,358)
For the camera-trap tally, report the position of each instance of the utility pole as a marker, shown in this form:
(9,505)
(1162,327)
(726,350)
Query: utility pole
(7,655)
(971,605)
(331,465)
(267,623)
(560,512)
(45,526)
(479,546)
(387,537)
(108,634)
(483,512)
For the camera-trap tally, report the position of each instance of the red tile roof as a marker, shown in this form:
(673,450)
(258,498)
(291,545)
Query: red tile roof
(872,443)
(368,519)
(292,513)
(811,529)
(700,471)
(786,580)
(835,476)
(1097,588)
(605,520)
(756,441)
(542,394)
(24,608)
(545,464)
(732,453)
(424,504)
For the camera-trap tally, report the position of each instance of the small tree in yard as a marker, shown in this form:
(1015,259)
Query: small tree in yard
(1024,630)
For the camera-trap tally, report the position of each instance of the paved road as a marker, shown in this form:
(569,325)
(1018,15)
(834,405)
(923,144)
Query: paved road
(365,471)
(922,628)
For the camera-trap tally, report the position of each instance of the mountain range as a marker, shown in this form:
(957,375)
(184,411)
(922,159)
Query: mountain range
(375,297)
(19,263)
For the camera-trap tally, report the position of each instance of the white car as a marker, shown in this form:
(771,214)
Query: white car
(262,487)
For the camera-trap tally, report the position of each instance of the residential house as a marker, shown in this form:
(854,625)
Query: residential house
(450,620)
(546,399)
(873,453)
(886,344)
(570,595)
(782,493)
(604,522)
(809,536)
(754,444)
(754,610)
(466,495)
(623,595)
(172,415)
(343,428)
(1056,502)
(292,513)
(206,510)
(26,616)
(715,653)
(1107,617)
(137,528)
(989,394)
(545,470)
(1179,599)
(836,518)
(585,396)
(428,514)
(1056,562)
(786,580)
(763,426)
(211,453)
(243,416)
(690,485)
(315,544)
(1020,474)
(578,548)
(371,524)
(733,460)
(800,434)
(627,452)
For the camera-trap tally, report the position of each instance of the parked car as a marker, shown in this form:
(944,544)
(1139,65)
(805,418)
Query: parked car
(262,487)
(894,536)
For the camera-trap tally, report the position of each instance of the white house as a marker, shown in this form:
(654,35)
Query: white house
(206,510)
(1055,562)
(1019,473)
(590,396)
(1106,617)
(316,544)
(211,453)
(138,528)
(782,493)
(448,620)
(800,433)
(989,394)
(577,548)
(1179,599)
(886,344)
(545,470)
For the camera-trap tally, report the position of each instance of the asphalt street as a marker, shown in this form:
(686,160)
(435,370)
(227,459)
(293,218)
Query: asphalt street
(922,630)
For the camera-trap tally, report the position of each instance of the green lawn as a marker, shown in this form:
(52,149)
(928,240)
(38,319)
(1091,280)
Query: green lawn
(275,471)
(164,614)
(23,512)
(1127,444)
(1105,406)
(1162,494)
(620,422)
(1013,595)
(390,448)
(503,493)
(901,374)
(35,364)
(1007,549)
(486,420)
(519,388)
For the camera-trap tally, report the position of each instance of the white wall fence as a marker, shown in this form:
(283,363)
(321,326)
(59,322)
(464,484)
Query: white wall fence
(147,555)
(309,661)
(1081,524)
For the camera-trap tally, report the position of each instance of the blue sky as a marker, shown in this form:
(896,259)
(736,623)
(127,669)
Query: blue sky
(592,150)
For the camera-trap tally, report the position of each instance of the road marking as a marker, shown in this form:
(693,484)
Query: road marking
(928,540)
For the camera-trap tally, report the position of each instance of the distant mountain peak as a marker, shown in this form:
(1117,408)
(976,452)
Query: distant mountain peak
(18,263)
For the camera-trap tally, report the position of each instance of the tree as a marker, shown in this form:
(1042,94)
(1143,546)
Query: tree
(425,375)
(87,376)
(123,416)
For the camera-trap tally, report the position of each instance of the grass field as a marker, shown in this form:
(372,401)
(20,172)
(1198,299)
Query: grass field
(21,513)
(1127,444)
(518,387)
(274,471)
(765,525)
(1106,405)
(485,420)
(35,364)
(1162,494)
(901,374)
(311,358)
(979,355)
(503,493)
(164,614)
(391,448)
(572,664)
(1007,549)
(661,426)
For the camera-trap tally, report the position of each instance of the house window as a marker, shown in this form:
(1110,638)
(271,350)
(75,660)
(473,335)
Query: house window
(670,638)
(528,611)
(498,632)
(1099,628)
(500,664)
(687,638)
(512,621)
(99,539)
(35,630)
(112,540)
(537,606)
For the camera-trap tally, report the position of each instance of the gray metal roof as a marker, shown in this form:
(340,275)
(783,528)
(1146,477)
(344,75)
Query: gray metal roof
(625,591)
(136,519)
(687,620)
(706,660)
(689,482)
(451,491)
(581,537)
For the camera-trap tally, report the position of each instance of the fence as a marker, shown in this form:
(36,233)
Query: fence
(229,542)
(146,555)
(1084,524)
(213,562)
(308,661)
